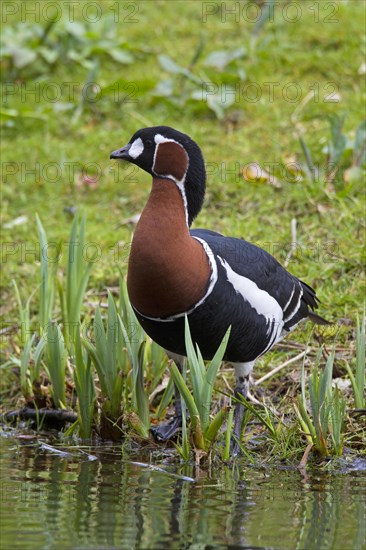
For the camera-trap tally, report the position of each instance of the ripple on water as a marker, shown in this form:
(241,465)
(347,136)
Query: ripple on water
(55,501)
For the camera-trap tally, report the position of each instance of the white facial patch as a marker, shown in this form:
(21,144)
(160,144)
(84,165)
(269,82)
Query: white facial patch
(136,148)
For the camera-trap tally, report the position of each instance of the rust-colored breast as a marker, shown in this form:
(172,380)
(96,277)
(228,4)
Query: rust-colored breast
(168,270)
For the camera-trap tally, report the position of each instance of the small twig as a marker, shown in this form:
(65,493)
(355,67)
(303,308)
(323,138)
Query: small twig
(93,305)
(290,345)
(53,450)
(253,399)
(356,412)
(305,456)
(8,329)
(277,369)
(50,416)
(46,447)
(227,384)
(293,242)
(154,468)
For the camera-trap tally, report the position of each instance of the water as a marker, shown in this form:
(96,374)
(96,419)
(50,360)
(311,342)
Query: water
(106,500)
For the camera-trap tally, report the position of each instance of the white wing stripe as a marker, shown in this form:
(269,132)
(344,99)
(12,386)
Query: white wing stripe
(295,310)
(259,299)
(289,300)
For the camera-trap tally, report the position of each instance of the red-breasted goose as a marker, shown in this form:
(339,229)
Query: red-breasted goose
(216,281)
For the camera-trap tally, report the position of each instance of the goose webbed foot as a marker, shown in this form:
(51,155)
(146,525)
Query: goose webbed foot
(167,430)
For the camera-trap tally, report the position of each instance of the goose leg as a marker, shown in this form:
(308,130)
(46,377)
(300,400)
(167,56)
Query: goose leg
(166,430)
(242,371)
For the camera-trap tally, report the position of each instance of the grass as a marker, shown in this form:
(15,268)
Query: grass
(85,389)
(48,271)
(135,342)
(77,274)
(55,363)
(27,339)
(126,361)
(265,134)
(204,430)
(327,409)
(110,360)
(64,165)
(358,378)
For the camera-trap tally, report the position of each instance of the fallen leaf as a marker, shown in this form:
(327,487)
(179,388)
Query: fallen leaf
(254,173)
(353,175)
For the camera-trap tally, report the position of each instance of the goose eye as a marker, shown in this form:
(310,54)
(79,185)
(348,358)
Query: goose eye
(148,143)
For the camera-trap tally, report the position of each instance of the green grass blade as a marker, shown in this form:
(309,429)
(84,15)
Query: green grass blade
(44,314)
(56,363)
(25,383)
(308,160)
(228,433)
(38,354)
(338,141)
(47,286)
(264,419)
(354,384)
(23,312)
(360,363)
(209,380)
(98,363)
(185,393)
(112,335)
(71,276)
(156,359)
(305,422)
(142,401)
(185,448)
(84,383)
(303,384)
(313,384)
(325,398)
(337,421)
(79,293)
(77,276)
(166,398)
(212,430)
(101,348)
(197,374)
(80,261)
(326,378)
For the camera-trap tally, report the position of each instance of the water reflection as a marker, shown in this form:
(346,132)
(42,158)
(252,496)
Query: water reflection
(53,501)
